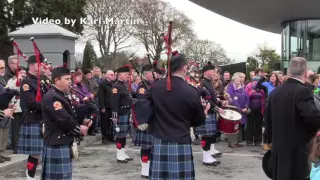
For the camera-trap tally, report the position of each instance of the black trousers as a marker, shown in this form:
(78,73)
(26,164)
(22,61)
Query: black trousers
(253,131)
(15,128)
(106,124)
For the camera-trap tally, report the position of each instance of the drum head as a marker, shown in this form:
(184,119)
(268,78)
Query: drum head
(231,115)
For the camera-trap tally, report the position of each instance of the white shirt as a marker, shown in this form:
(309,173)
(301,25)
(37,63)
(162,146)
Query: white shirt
(12,85)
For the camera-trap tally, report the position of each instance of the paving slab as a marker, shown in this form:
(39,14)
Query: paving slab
(98,162)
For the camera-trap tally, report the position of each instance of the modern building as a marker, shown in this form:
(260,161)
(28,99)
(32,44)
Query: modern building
(298,21)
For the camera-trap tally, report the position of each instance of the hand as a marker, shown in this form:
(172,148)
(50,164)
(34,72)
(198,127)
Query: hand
(86,99)
(244,110)
(114,120)
(224,103)
(208,106)
(83,130)
(103,110)
(8,112)
(221,111)
(87,122)
(203,102)
(91,96)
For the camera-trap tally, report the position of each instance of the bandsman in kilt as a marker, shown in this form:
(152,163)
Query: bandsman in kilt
(143,138)
(30,136)
(62,126)
(121,103)
(209,129)
(175,112)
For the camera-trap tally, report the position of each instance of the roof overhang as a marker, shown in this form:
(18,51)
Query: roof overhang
(261,14)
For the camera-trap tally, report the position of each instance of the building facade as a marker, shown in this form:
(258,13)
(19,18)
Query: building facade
(297,21)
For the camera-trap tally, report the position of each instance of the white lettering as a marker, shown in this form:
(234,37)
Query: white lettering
(36,20)
(83,20)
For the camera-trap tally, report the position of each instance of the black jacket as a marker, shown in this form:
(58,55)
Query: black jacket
(61,125)
(175,111)
(104,94)
(293,120)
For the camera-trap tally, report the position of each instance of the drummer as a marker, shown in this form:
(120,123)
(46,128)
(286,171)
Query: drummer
(209,129)
(240,100)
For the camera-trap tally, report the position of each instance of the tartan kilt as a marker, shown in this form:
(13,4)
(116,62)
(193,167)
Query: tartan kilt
(56,162)
(30,139)
(209,128)
(143,139)
(123,125)
(171,161)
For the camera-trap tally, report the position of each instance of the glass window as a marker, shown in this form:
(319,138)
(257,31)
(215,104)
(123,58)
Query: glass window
(313,40)
(285,43)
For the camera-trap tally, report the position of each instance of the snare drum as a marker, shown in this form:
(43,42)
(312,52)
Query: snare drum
(229,121)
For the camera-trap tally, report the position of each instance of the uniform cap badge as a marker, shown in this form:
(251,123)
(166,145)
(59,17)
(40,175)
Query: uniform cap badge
(114,90)
(25,87)
(57,105)
(142,91)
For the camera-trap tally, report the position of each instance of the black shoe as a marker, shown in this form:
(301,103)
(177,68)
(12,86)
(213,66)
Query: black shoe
(144,177)
(9,147)
(5,158)
(216,155)
(211,164)
(122,161)
(129,159)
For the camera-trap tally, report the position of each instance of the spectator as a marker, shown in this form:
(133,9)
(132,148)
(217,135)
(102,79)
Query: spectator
(12,67)
(15,124)
(136,81)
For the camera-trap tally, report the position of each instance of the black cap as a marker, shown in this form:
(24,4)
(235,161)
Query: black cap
(176,62)
(86,71)
(32,59)
(123,69)
(158,71)
(207,67)
(60,71)
(147,67)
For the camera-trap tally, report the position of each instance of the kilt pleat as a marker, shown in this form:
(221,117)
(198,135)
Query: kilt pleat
(56,162)
(171,161)
(209,128)
(143,139)
(30,139)
(123,125)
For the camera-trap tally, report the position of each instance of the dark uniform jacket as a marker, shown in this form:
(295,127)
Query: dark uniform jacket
(175,111)
(142,89)
(30,107)
(207,84)
(104,94)
(59,117)
(121,98)
(293,120)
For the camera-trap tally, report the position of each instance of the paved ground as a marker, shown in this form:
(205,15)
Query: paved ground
(98,162)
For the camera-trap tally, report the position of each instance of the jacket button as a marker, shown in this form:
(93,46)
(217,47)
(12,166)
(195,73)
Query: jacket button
(63,135)
(58,137)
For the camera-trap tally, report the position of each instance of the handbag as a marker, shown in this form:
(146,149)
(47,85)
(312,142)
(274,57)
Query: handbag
(74,151)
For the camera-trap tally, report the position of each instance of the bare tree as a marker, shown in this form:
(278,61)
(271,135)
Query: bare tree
(78,58)
(109,22)
(203,51)
(155,15)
